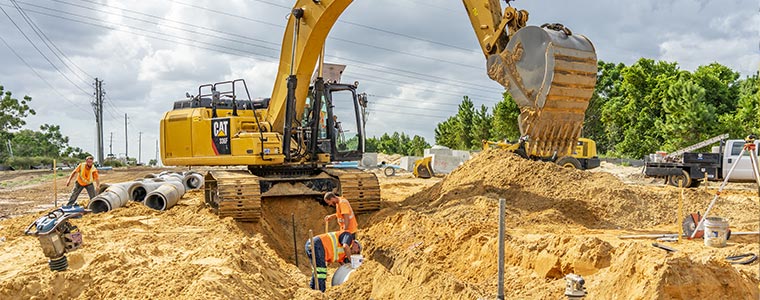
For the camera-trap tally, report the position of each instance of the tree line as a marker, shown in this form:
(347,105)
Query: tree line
(26,148)
(635,110)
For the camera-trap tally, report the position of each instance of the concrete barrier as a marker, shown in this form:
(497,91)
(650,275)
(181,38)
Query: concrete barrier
(407,162)
(369,160)
(463,155)
(444,164)
(438,150)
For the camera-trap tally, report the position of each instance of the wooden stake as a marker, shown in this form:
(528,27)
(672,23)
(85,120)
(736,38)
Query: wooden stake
(680,212)
(55,184)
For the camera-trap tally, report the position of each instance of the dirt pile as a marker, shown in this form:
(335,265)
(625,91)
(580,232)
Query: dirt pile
(442,241)
(135,252)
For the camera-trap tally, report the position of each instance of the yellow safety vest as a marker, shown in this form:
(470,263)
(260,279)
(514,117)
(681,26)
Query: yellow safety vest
(82,167)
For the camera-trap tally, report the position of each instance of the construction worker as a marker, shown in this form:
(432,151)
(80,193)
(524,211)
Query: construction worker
(86,174)
(328,248)
(343,213)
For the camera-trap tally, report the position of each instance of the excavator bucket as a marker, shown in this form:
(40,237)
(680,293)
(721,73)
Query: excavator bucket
(551,74)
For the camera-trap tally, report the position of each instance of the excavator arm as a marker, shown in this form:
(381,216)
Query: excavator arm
(549,71)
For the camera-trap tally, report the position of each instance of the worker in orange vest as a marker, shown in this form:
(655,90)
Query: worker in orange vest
(343,213)
(86,174)
(328,248)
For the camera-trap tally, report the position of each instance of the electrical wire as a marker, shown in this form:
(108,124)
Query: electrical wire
(40,76)
(41,53)
(48,43)
(227,50)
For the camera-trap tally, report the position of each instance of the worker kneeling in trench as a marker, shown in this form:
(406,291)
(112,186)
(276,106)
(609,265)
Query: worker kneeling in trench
(330,247)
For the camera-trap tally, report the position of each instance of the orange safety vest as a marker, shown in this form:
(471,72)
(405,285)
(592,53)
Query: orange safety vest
(333,249)
(85,178)
(344,207)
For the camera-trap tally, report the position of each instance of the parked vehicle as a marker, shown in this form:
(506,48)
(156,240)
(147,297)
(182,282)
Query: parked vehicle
(692,168)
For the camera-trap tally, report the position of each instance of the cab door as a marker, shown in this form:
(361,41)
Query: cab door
(743,171)
(345,122)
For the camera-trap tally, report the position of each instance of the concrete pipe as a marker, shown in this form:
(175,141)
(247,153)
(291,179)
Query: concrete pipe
(115,196)
(193,181)
(102,188)
(172,176)
(140,189)
(166,196)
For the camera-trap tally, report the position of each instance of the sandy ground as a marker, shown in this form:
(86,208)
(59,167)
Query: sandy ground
(435,239)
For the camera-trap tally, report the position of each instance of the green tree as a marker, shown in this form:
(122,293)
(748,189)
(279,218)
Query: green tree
(688,118)
(481,129)
(608,83)
(446,133)
(12,114)
(465,117)
(721,81)
(417,146)
(504,123)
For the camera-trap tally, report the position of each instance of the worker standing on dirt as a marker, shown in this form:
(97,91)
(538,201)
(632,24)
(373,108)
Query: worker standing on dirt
(330,247)
(86,173)
(343,213)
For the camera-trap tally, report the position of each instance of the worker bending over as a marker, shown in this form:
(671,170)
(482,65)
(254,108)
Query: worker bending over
(86,174)
(343,213)
(328,248)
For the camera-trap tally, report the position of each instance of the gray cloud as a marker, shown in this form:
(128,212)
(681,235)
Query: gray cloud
(146,72)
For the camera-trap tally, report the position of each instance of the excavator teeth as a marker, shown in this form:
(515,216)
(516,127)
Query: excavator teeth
(551,80)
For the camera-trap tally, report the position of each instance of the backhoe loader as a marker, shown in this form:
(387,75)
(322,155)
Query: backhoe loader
(288,140)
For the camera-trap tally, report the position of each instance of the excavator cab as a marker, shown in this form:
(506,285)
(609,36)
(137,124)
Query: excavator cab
(340,113)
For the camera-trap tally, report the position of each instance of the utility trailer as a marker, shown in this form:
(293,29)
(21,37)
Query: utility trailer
(692,167)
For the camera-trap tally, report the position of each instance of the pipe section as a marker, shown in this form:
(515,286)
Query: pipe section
(115,196)
(193,181)
(165,196)
(141,188)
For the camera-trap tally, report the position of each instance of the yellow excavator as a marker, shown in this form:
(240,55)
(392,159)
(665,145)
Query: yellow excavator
(582,156)
(289,140)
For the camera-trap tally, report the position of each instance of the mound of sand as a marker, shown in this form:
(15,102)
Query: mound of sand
(135,252)
(442,242)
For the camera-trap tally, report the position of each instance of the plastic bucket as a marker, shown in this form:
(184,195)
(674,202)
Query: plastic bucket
(716,230)
(356,260)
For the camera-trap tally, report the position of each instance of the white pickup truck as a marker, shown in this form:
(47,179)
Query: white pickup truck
(691,169)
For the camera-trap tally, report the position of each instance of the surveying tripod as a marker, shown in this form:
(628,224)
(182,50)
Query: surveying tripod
(750,148)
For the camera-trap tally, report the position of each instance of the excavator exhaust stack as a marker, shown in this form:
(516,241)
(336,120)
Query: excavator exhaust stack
(551,74)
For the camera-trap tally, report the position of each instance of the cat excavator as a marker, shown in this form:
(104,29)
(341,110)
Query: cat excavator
(289,141)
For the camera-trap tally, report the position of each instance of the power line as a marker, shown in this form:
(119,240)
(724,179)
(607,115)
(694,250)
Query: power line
(194,43)
(173,27)
(409,107)
(408,113)
(363,44)
(41,53)
(352,42)
(48,43)
(38,75)
(383,30)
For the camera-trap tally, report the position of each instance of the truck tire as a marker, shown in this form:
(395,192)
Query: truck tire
(695,183)
(570,163)
(389,171)
(674,179)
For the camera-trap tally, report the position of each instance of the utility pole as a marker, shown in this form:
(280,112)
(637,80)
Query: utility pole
(110,146)
(10,148)
(156,152)
(97,107)
(126,138)
(139,148)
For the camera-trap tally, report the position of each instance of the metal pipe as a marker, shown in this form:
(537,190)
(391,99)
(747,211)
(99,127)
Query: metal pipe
(295,243)
(502,205)
(313,261)
(164,197)
(717,194)
(115,196)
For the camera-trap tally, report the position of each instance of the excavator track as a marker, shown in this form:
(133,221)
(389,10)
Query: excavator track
(361,189)
(234,194)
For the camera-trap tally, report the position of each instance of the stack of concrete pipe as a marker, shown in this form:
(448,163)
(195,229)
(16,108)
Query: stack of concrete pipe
(114,196)
(157,191)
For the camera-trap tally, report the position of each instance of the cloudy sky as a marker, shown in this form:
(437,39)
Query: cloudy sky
(415,58)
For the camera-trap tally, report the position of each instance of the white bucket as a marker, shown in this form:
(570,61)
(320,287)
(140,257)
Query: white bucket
(716,230)
(356,260)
